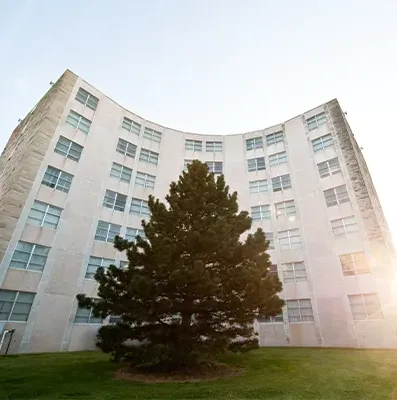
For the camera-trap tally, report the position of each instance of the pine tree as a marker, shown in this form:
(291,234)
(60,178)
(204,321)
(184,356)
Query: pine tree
(192,287)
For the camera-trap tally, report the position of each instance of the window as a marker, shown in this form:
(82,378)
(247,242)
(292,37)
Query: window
(316,121)
(272,320)
(78,121)
(126,148)
(87,99)
(336,196)
(344,227)
(256,164)
(261,212)
(194,145)
(43,214)
(213,147)
(280,183)
(277,159)
(96,262)
(115,201)
(365,306)
(300,310)
(114,319)
(259,186)
(151,134)
(57,179)
(86,316)
(322,142)
(140,207)
(289,239)
(106,232)
(132,233)
(329,167)
(186,163)
(285,209)
(215,166)
(273,138)
(294,272)
(149,156)
(145,180)
(273,271)
(270,239)
(354,264)
(69,149)
(131,126)
(15,306)
(29,256)
(254,143)
(121,173)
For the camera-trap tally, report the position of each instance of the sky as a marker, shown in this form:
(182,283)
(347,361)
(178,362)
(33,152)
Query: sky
(214,66)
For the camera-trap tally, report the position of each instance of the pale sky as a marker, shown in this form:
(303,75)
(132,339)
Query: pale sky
(214,66)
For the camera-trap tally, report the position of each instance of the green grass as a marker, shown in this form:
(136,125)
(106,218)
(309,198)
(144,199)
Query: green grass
(270,373)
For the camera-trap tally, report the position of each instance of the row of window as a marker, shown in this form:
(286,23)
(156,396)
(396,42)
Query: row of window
(90,101)
(365,306)
(16,306)
(334,196)
(72,150)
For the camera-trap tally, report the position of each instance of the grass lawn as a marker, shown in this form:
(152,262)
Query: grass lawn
(271,373)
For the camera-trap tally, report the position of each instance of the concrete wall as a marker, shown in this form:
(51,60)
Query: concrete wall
(51,326)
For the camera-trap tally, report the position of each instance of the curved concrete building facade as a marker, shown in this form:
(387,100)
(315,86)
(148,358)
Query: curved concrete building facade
(79,168)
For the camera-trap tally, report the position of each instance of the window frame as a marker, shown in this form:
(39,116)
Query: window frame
(14,304)
(277,159)
(292,272)
(274,138)
(366,304)
(33,254)
(148,156)
(60,176)
(131,237)
(141,205)
(350,263)
(302,318)
(258,186)
(281,183)
(117,171)
(270,237)
(114,200)
(254,143)
(152,135)
(213,166)
(336,196)
(70,147)
(256,164)
(81,121)
(49,210)
(130,148)
(322,140)
(193,145)
(262,212)
(316,121)
(112,230)
(143,176)
(104,263)
(345,233)
(90,316)
(330,169)
(89,100)
(131,126)
(282,211)
(289,234)
(214,146)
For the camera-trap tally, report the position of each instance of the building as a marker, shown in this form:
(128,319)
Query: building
(79,167)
